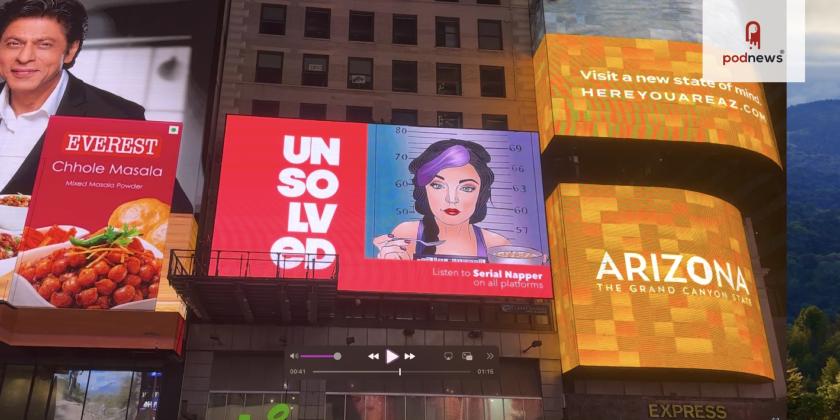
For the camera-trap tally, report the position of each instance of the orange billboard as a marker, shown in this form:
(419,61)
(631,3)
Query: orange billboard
(654,278)
(626,88)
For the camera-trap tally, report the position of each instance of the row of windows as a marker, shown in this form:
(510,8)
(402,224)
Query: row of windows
(317,25)
(264,108)
(238,405)
(360,74)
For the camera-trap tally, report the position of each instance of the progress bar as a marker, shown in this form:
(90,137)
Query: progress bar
(418,362)
(399,372)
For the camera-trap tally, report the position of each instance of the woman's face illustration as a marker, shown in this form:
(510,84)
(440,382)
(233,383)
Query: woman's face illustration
(453,194)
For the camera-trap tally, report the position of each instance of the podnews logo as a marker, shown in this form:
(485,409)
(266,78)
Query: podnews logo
(749,41)
(752,32)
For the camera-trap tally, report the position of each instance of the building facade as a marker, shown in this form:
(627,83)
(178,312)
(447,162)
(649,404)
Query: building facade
(491,64)
(665,214)
(75,363)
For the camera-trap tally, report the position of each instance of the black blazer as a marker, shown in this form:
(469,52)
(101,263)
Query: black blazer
(83,100)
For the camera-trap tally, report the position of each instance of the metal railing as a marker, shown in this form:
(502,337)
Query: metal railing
(251,264)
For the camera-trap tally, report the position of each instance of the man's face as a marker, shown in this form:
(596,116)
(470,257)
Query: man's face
(32,53)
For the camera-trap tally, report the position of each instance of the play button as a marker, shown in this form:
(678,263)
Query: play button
(390,356)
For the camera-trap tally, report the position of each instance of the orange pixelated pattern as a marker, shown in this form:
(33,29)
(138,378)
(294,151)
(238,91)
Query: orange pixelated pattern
(565,110)
(684,329)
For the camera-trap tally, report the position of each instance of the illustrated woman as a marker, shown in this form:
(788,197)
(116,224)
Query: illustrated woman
(452,183)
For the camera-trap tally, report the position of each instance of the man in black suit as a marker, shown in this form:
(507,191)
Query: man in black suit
(39,41)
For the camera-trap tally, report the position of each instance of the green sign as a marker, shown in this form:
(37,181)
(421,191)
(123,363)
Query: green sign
(278,412)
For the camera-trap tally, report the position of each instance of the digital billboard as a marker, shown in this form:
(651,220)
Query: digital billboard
(93,233)
(648,89)
(655,278)
(135,59)
(398,209)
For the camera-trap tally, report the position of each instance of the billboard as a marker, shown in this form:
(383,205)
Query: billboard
(140,59)
(654,277)
(93,233)
(398,209)
(647,89)
(161,55)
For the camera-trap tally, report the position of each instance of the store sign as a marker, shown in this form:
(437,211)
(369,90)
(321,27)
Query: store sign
(593,86)
(397,209)
(525,309)
(666,410)
(95,230)
(655,277)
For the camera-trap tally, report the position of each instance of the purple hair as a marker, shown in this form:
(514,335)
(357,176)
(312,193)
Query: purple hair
(453,157)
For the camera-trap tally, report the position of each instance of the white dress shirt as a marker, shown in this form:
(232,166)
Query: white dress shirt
(20,133)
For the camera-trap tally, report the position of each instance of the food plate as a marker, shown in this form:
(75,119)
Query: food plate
(23,294)
(514,254)
(12,218)
(8,264)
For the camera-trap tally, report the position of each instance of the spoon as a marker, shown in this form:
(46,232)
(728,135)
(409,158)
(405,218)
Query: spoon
(433,243)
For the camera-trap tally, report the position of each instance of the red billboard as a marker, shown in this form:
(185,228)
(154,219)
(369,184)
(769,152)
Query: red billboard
(398,209)
(95,230)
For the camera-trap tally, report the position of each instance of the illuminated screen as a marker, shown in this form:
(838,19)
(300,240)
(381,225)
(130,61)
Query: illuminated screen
(93,234)
(655,277)
(644,89)
(165,66)
(385,208)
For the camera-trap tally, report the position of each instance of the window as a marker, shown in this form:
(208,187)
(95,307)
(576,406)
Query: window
(450,119)
(361,26)
(52,393)
(317,23)
(447,32)
(269,67)
(493,408)
(492,81)
(265,108)
(273,19)
(494,122)
(415,407)
(335,406)
(434,408)
(404,116)
(405,29)
(448,79)
(315,70)
(404,76)
(359,73)
(313,111)
(359,113)
(489,34)
(394,407)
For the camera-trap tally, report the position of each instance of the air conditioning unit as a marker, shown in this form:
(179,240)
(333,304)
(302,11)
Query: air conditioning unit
(358,79)
(315,67)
